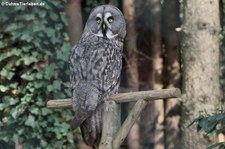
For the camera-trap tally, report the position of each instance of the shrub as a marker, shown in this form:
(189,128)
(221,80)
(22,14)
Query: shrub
(33,68)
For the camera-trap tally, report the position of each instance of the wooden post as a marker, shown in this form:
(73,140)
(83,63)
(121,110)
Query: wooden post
(125,128)
(112,135)
(111,124)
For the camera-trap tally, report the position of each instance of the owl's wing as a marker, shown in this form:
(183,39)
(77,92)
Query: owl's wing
(95,70)
(75,64)
(86,95)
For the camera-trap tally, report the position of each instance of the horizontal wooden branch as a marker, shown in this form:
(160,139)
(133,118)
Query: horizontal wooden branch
(146,95)
(125,97)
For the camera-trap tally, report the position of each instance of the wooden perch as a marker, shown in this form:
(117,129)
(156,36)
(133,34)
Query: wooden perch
(111,124)
(113,137)
(124,97)
(128,123)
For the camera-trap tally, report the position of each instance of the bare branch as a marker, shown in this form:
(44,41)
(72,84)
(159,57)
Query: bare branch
(59,103)
(146,95)
(125,97)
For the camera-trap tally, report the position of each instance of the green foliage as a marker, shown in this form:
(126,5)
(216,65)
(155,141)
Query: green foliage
(33,68)
(210,123)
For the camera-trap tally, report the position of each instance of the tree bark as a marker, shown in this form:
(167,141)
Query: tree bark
(111,124)
(130,45)
(148,26)
(114,2)
(74,30)
(75,24)
(200,55)
(128,123)
(171,74)
(130,58)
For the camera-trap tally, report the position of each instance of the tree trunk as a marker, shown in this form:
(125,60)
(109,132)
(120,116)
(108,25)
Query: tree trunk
(74,30)
(75,25)
(171,75)
(130,45)
(148,26)
(200,55)
(114,2)
(131,65)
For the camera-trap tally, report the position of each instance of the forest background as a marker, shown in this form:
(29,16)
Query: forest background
(35,43)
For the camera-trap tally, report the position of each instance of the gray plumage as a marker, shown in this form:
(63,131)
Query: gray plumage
(95,65)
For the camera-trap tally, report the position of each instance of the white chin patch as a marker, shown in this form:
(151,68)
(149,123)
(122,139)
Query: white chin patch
(99,34)
(110,35)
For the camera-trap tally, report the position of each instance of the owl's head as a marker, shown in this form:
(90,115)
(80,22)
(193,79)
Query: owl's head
(106,21)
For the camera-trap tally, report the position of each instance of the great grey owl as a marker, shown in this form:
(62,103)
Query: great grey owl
(95,65)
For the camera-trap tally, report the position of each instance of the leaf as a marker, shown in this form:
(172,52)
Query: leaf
(16,112)
(2,106)
(218,131)
(34,110)
(27,98)
(2,44)
(43,143)
(41,13)
(13,85)
(64,18)
(27,76)
(57,85)
(29,17)
(68,92)
(30,121)
(40,102)
(26,36)
(49,72)
(38,84)
(194,121)
(54,16)
(11,27)
(3,56)
(220,116)
(20,131)
(220,144)
(59,26)
(27,59)
(10,100)
(3,88)
(207,125)
(50,88)
(63,54)
(7,73)
(45,111)
(50,33)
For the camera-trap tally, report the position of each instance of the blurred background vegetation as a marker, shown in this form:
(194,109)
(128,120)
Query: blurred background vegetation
(34,55)
(35,43)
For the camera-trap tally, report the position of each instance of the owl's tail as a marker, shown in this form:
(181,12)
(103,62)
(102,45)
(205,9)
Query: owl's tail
(91,128)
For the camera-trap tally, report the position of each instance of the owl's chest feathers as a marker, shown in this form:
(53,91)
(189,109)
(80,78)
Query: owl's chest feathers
(101,59)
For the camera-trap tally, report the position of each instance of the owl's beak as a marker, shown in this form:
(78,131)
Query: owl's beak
(104,27)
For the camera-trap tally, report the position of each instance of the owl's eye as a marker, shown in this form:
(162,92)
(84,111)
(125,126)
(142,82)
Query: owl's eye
(98,20)
(110,19)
